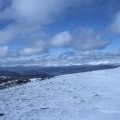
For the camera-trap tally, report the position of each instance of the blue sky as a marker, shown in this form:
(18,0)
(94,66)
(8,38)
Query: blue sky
(55,27)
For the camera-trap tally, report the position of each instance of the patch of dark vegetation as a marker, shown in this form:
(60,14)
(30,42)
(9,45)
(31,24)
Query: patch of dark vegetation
(96,95)
(45,108)
(1,114)
(10,83)
(22,81)
(24,78)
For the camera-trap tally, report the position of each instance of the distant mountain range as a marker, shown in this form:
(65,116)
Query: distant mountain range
(10,76)
(36,71)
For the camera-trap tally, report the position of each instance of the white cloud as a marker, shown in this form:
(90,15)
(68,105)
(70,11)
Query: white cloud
(41,11)
(34,11)
(35,48)
(85,40)
(28,16)
(3,51)
(89,40)
(7,34)
(115,25)
(62,39)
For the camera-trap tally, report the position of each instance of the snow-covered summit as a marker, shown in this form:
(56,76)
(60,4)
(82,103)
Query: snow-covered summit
(82,96)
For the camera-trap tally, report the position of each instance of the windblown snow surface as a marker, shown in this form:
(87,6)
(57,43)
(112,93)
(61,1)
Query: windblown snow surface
(84,96)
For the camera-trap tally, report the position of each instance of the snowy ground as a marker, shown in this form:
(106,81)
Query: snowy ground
(84,96)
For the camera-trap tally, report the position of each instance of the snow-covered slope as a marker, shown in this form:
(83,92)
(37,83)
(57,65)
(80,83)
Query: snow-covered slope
(84,96)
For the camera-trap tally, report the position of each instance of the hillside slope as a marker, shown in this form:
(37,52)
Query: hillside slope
(83,96)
